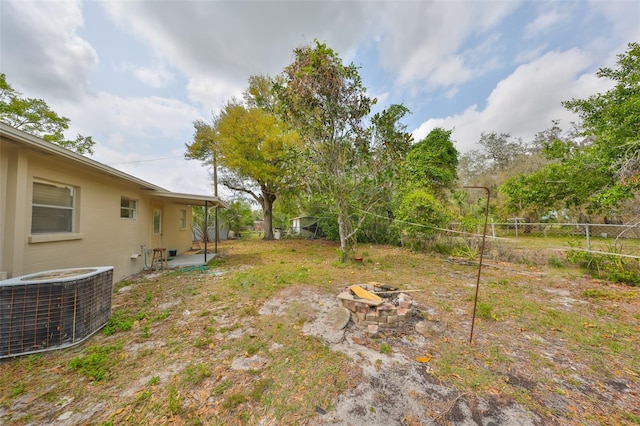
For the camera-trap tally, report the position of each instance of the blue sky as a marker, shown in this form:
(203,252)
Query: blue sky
(135,75)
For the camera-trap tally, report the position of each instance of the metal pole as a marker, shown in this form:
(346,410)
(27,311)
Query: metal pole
(206,228)
(215,192)
(484,233)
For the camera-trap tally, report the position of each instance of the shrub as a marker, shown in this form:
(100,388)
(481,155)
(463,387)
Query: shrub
(607,267)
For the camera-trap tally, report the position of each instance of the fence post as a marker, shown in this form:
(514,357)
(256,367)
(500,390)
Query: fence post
(493,229)
(586,229)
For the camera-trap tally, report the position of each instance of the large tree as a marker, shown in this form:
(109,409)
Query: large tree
(432,163)
(34,116)
(598,167)
(612,120)
(428,175)
(252,145)
(347,159)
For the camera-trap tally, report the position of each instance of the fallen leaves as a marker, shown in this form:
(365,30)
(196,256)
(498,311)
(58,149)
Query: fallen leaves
(424,359)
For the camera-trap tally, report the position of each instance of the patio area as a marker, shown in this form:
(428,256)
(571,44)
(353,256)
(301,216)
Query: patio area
(190,259)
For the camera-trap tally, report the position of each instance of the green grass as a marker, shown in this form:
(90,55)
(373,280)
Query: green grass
(221,387)
(18,389)
(522,328)
(119,321)
(96,361)
(196,373)
(485,310)
(385,348)
(174,400)
(234,400)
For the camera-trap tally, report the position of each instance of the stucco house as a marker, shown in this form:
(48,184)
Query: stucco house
(59,209)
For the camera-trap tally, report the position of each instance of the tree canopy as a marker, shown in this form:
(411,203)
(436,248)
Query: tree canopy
(34,116)
(252,145)
(612,119)
(597,167)
(346,158)
(432,163)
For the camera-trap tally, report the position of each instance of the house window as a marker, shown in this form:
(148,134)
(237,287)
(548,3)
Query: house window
(127,208)
(157,221)
(183,219)
(52,208)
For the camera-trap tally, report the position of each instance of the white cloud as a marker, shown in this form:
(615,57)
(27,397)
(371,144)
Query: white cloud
(145,118)
(41,50)
(206,50)
(526,101)
(623,16)
(157,77)
(543,23)
(212,93)
(430,47)
(529,55)
(171,172)
(229,41)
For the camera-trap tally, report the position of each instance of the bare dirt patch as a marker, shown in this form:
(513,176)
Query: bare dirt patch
(397,389)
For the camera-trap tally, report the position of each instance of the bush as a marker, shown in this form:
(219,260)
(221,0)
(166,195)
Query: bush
(607,267)
(419,216)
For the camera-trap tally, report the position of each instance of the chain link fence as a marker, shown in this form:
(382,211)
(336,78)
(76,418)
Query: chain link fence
(542,240)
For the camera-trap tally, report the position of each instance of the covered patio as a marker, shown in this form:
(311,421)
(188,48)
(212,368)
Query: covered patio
(209,251)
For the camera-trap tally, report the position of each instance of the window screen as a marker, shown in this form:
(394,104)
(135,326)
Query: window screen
(52,208)
(183,219)
(157,221)
(127,208)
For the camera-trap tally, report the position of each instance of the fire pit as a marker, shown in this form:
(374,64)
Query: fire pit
(377,307)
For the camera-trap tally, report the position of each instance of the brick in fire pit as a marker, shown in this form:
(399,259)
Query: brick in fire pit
(394,312)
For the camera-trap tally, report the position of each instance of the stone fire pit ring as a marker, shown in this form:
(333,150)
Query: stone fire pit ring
(394,311)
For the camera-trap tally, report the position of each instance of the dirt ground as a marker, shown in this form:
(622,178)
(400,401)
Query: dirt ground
(395,389)
(258,339)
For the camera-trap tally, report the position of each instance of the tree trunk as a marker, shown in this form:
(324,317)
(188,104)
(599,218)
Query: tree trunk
(267,211)
(344,229)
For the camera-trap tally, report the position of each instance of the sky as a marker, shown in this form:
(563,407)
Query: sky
(135,75)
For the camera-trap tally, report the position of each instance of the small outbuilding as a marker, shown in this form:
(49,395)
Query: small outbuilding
(305,226)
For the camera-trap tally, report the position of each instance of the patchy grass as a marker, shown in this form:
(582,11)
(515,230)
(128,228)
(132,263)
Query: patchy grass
(562,344)
(96,361)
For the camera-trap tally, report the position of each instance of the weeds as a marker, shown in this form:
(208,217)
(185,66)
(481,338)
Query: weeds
(485,310)
(234,400)
(96,361)
(183,371)
(607,266)
(385,348)
(18,389)
(162,315)
(196,373)
(201,342)
(221,387)
(260,387)
(119,321)
(554,262)
(174,400)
